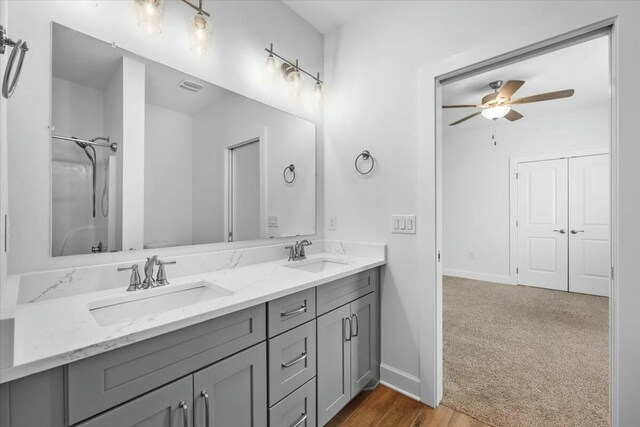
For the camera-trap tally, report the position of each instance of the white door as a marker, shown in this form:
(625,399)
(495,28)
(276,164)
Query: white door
(244,192)
(589,245)
(543,248)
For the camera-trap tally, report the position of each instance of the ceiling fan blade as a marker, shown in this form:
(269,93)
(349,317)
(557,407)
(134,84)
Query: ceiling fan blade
(542,97)
(465,118)
(461,106)
(509,88)
(513,115)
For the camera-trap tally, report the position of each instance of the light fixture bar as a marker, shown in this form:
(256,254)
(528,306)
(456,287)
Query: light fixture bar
(293,64)
(198,8)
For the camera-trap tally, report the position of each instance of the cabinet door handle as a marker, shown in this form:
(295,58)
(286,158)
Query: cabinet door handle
(561,231)
(296,360)
(296,311)
(205,395)
(300,420)
(185,413)
(577,231)
(347,333)
(354,318)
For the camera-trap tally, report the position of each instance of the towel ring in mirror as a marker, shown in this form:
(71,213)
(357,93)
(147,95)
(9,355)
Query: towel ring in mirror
(292,175)
(365,155)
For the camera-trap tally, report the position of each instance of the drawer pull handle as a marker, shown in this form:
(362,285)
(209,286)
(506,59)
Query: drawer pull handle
(296,360)
(185,413)
(205,395)
(347,332)
(296,311)
(300,420)
(354,319)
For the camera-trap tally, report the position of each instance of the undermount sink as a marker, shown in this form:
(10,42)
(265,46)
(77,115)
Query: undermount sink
(317,265)
(145,303)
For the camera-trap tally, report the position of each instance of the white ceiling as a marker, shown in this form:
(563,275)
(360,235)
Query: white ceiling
(325,15)
(90,62)
(583,67)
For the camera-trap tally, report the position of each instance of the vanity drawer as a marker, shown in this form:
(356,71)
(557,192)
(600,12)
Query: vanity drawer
(296,410)
(288,312)
(335,294)
(292,360)
(101,382)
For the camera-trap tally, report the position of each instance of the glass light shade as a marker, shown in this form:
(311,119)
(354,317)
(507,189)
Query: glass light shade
(317,90)
(496,112)
(150,15)
(271,63)
(199,38)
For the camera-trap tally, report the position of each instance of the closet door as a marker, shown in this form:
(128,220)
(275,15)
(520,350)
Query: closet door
(542,224)
(589,207)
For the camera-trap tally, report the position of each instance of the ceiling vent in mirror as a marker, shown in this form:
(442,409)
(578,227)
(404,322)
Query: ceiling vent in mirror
(190,85)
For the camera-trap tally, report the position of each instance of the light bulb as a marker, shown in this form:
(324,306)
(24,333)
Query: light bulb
(150,15)
(150,9)
(496,112)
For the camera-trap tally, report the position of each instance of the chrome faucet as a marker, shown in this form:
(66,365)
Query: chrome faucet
(296,251)
(161,278)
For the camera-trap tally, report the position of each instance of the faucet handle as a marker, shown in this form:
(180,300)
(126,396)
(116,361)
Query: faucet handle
(161,278)
(134,281)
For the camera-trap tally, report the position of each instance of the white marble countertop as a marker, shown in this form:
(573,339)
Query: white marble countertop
(55,332)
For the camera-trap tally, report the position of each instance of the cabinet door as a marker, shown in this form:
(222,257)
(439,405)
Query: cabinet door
(168,406)
(334,362)
(237,391)
(363,342)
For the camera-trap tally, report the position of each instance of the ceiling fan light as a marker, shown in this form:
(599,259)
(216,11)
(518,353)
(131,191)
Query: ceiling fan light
(496,112)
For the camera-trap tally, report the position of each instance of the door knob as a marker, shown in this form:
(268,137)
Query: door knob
(577,231)
(561,231)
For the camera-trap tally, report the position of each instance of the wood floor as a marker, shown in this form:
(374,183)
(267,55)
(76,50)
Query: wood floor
(384,407)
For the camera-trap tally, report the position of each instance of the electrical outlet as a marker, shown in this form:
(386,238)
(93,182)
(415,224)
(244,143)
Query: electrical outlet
(472,255)
(333,222)
(403,224)
(272,220)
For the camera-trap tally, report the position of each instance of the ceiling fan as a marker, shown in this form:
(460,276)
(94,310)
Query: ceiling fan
(498,104)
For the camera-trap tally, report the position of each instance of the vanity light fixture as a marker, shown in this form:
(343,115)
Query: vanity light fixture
(291,71)
(150,15)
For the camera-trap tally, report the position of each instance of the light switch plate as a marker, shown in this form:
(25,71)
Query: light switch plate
(403,224)
(272,220)
(333,222)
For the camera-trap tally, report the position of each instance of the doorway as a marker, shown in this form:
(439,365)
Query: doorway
(516,211)
(243,190)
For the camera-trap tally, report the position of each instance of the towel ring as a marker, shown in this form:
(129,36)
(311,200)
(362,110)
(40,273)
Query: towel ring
(366,155)
(8,84)
(291,168)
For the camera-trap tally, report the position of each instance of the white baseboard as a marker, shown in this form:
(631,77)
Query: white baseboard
(400,381)
(485,277)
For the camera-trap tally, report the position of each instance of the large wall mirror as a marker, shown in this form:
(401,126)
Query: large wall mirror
(145,156)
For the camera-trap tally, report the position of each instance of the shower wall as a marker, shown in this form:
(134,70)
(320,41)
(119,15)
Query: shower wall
(77,111)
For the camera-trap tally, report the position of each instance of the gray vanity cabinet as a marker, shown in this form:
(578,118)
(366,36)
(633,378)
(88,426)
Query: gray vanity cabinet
(347,354)
(168,406)
(233,392)
(334,363)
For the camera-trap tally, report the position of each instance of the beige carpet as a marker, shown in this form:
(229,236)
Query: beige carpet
(520,356)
